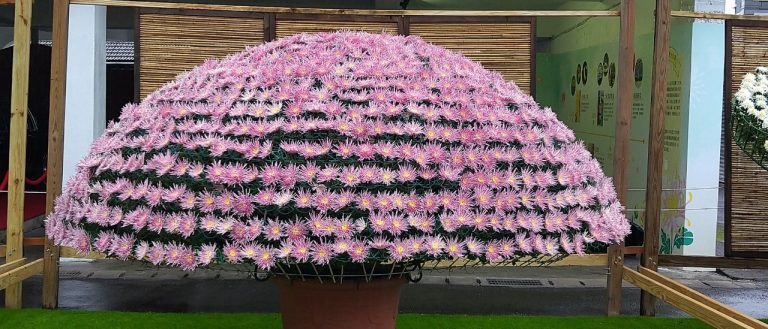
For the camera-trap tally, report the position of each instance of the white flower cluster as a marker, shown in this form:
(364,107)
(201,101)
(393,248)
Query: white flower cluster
(752,96)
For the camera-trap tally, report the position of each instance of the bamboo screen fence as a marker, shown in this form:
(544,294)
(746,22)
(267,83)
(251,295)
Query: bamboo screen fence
(171,41)
(746,223)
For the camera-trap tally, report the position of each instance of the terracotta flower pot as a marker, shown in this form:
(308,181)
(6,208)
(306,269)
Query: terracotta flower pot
(352,304)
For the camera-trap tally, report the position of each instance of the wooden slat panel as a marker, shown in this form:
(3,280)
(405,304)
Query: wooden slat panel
(502,47)
(285,27)
(171,44)
(749,49)
(748,222)
(749,217)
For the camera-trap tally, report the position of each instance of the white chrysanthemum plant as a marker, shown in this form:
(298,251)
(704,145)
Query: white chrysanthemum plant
(752,99)
(337,154)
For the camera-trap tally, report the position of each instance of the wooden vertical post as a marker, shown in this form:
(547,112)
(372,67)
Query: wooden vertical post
(17,153)
(656,149)
(55,145)
(621,145)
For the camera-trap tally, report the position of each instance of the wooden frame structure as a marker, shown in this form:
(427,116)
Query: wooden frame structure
(646,278)
(16,267)
(654,285)
(728,261)
(58,83)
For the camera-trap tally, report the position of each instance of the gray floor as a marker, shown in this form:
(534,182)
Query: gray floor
(127,286)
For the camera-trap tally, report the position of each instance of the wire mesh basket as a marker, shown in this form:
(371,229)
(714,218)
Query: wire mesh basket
(337,271)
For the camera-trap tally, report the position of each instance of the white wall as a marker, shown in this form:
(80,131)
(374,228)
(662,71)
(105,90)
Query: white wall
(85,117)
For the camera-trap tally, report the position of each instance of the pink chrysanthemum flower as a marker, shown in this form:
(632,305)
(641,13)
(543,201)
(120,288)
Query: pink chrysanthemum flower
(295,230)
(506,247)
(399,250)
(523,242)
(231,253)
(122,246)
(208,223)
(322,253)
(206,202)
(396,224)
(156,253)
(350,176)
(265,258)
(358,251)
(388,176)
(328,173)
(249,251)
(243,204)
(273,230)
(301,250)
(270,174)
(493,252)
(265,197)
(141,251)
(224,225)
(187,259)
(454,247)
(435,245)
(206,254)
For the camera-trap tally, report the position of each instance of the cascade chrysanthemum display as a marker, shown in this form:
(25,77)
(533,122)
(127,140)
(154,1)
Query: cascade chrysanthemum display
(752,99)
(336,147)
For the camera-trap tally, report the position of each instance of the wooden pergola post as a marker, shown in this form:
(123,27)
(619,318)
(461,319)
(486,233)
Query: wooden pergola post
(17,153)
(621,144)
(655,149)
(55,145)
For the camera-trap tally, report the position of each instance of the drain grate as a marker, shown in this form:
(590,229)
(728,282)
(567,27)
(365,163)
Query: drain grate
(514,282)
(69,274)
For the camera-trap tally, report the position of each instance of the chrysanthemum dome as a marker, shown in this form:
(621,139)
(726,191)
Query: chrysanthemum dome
(336,147)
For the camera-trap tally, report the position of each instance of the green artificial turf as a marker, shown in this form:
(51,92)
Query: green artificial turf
(36,319)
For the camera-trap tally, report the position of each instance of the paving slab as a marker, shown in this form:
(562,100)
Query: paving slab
(747,274)
(106,274)
(721,284)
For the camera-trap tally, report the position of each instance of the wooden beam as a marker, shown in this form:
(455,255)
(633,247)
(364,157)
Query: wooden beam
(679,297)
(323,11)
(655,149)
(55,144)
(34,241)
(716,262)
(701,298)
(72,253)
(21,273)
(17,155)
(28,241)
(12,265)
(586,260)
(732,17)
(633,250)
(6,2)
(621,145)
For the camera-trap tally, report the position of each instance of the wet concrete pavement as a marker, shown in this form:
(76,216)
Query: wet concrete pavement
(252,296)
(109,285)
